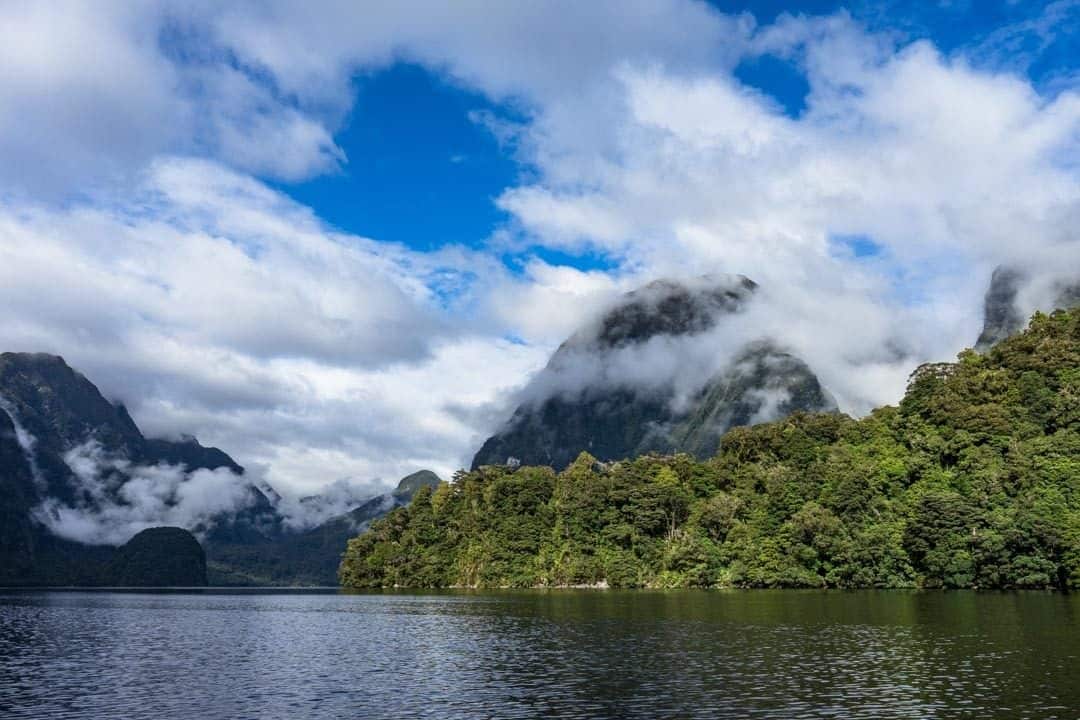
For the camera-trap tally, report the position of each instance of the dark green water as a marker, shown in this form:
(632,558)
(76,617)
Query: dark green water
(572,654)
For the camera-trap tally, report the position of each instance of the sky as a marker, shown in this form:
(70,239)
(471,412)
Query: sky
(336,239)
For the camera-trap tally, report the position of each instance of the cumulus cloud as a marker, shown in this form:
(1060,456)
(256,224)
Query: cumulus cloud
(90,93)
(211,305)
(942,166)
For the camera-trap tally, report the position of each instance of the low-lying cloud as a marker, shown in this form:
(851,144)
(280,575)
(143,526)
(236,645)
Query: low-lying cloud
(117,499)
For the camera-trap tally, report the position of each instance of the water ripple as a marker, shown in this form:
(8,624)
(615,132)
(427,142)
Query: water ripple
(542,654)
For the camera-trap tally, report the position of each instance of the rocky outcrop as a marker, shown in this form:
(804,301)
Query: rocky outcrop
(1002,314)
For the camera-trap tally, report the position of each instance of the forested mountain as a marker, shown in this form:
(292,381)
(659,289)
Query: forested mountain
(158,557)
(612,388)
(972,481)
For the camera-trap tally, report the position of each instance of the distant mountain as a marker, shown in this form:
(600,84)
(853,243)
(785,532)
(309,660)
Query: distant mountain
(74,468)
(1002,315)
(613,419)
(310,557)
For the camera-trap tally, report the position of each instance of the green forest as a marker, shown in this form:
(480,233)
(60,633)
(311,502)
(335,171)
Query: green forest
(973,481)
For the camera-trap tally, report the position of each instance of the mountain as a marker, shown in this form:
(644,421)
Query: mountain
(409,484)
(76,477)
(973,481)
(575,404)
(1002,314)
(310,557)
(158,557)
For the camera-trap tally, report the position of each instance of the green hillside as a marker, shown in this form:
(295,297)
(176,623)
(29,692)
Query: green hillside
(973,481)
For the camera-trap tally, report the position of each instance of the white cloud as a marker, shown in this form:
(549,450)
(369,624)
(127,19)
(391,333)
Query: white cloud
(949,169)
(211,304)
(119,499)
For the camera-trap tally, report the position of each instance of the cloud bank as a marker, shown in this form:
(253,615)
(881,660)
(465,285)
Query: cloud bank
(140,236)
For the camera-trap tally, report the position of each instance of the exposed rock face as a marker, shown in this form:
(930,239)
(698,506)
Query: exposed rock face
(1002,315)
(764,384)
(158,557)
(617,420)
(18,495)
(61,409)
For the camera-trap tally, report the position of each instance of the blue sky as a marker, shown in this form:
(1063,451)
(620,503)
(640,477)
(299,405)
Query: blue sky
(421,170)
(336,239)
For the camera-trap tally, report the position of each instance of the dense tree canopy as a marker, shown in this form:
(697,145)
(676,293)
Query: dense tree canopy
(973,481)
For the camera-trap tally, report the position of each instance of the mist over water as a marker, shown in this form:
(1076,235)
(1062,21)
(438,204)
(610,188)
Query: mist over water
(563,654)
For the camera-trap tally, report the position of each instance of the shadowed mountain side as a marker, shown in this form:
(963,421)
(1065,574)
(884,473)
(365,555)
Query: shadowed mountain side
(1002,316)
(75,471)
(764,384)
(310,557)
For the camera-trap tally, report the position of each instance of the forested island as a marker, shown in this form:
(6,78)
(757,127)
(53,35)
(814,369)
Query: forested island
(973,481)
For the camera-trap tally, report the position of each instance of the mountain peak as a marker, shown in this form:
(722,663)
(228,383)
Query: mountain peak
(604,392)
(666,307)
(413,482)
(1010,300)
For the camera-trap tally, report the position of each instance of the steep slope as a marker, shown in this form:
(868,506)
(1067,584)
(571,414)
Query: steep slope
(763,384)
(18,495)
(61,409)
(1002,314)
(74,469)
(579,402)
(64,448)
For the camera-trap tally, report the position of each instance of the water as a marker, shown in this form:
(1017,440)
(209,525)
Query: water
(568,654)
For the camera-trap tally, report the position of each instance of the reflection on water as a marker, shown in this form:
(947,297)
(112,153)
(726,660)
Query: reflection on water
(570,654)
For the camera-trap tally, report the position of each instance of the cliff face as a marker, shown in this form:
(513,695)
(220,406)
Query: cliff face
(617,419)
(60,409)
(1003,315)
